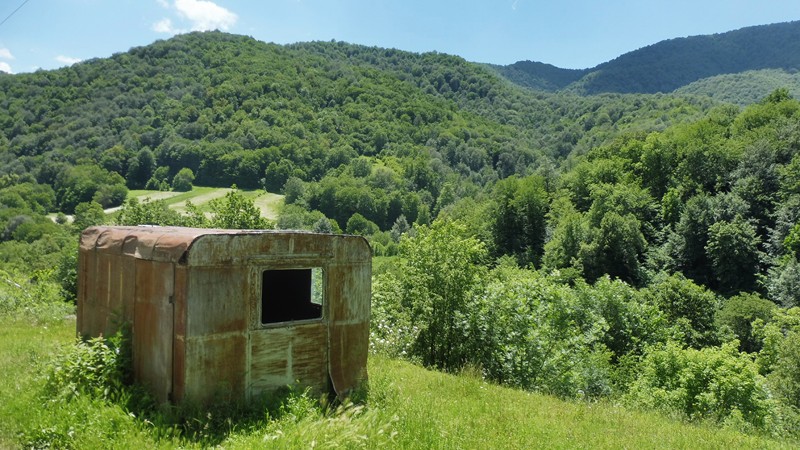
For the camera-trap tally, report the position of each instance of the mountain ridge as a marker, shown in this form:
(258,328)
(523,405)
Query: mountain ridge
(668,65)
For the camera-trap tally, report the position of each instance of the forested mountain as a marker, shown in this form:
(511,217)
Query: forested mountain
(671,64)
(540,76)
(387,129)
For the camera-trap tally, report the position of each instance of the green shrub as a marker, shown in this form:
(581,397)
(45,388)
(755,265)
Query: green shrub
(689,306)
(738,314)
(443,266)
(538,335)
(98,367)
(779,358)
(714,383)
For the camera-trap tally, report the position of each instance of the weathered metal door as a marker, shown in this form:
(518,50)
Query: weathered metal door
(153,316)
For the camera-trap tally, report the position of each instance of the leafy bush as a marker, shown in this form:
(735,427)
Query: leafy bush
(714,383)
(97,367)
(532,333)
(738,314)
(783,282)
(235,211)
(633,322)
(687,305)
(780,356)
(182,181)
(431,295)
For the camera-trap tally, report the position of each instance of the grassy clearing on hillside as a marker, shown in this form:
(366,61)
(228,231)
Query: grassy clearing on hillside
(407,407)
(200,196)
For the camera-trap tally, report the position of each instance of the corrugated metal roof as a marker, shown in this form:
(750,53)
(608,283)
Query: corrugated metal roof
(168,244)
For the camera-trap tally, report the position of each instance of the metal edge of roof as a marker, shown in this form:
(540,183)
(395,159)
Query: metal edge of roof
(159,243)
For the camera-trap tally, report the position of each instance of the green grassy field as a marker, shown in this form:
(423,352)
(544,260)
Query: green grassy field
(267,202)
(406,407)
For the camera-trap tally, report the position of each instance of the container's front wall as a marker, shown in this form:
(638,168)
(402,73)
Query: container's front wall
(286,355)
(350,287)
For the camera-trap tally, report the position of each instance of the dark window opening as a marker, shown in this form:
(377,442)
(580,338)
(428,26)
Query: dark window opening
(291,294)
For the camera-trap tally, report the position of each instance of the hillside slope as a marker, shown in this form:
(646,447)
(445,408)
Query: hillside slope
(671,64)
(234,110)
(407,407)
(744,88)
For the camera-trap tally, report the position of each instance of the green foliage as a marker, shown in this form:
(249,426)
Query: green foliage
(671,64)
(148,212)
(614,248)
(141,168)
(744,88)
(633,322)
(779,357)
(66,272)
(88,214)
(293,190)
(518,219)
(358,224)
(440,269)
(783,282)
(532,333)
(688,306)
(714,383)
(35,299)
(739,312)
(87,182)
(235,211)
(734,256)
(96,367)
(182,181)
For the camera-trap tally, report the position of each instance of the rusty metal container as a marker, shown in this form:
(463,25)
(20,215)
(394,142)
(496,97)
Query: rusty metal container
(229,314)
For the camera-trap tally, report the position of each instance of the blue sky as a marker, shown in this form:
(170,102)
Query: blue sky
(575,34)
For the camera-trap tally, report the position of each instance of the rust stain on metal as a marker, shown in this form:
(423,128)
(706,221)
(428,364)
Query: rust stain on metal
(208,308)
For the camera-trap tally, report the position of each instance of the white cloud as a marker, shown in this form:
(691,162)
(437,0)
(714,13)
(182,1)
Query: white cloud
(206,15)
(5,67)
(165,26)
(67,60)
(203,15)
(6,53)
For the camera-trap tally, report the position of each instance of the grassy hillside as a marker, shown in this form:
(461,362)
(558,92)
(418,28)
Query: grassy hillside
(407,407)
(267,202)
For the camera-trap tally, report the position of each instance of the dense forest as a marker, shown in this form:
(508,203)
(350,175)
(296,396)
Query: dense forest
(639,247)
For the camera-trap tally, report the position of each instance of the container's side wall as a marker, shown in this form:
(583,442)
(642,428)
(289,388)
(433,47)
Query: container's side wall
(153,327)
(348,340)
(105,292)
(217,311)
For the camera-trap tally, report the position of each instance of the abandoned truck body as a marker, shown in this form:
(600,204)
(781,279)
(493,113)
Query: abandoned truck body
(229,314)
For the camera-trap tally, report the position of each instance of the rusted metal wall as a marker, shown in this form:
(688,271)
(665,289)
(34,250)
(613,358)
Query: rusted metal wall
(193,298)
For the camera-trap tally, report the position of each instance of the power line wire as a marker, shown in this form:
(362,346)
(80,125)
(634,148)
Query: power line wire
(13,12)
